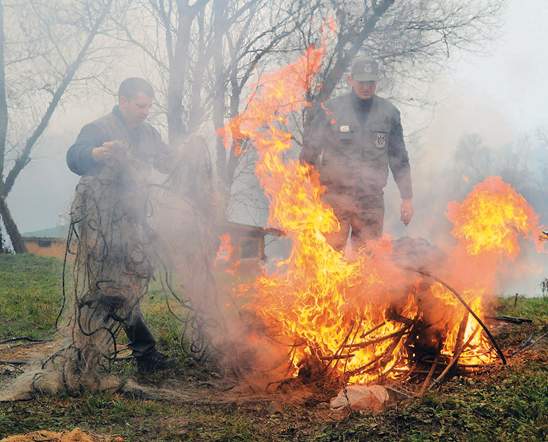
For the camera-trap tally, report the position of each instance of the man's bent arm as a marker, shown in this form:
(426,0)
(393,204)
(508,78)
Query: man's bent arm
(79,157)
(398,160)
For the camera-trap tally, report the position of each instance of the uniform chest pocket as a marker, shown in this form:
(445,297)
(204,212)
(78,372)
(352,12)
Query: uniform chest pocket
(345,134)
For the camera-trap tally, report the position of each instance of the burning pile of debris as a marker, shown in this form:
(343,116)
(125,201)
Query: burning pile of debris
(395,311)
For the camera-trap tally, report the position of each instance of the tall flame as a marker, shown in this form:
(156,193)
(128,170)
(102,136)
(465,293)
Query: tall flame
(342,312)
(488,225)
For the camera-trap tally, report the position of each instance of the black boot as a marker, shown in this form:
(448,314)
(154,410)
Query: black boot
(154,361)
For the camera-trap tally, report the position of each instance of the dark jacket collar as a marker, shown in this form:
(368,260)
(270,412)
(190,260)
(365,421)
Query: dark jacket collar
(118,115)
(361,107)
(361,104)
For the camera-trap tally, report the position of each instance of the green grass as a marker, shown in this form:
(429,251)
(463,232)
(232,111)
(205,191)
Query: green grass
(30,295)
(535,308)
(509,406)
(506,404)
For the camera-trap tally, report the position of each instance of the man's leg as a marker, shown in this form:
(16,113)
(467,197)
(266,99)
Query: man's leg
(342,206)
(337,240)
(368,221)
(143,344)
(140,339)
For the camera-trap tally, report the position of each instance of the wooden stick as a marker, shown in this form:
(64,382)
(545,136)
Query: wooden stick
(337,356)
(362,344)
(24,338)
(463,302)
(454,360)
(511,319)
(426,382)
(373,329)
(365,367)
(460,333)
(14,362)
(329,369)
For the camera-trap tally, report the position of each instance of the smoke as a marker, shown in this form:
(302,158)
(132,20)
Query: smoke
(454,143)
(125,229)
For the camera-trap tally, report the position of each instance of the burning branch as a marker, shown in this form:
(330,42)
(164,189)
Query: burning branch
(465,304)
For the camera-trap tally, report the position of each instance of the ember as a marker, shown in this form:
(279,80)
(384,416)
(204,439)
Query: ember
(368,319)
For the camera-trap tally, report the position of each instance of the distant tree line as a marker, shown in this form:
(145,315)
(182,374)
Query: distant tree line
(522,163)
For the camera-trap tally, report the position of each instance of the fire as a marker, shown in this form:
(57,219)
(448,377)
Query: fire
(317,302)
(491,217)
(353,318)
(225,250)
(488,225)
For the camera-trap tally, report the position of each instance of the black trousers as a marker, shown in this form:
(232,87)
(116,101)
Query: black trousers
(140,339)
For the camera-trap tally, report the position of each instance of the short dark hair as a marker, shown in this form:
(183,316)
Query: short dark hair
(130,87)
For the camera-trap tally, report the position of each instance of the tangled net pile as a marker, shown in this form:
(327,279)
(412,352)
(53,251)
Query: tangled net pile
(124,232)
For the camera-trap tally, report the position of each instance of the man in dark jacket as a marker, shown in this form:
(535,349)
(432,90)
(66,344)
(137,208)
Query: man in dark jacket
(352,142)
(103,140)
(115,155)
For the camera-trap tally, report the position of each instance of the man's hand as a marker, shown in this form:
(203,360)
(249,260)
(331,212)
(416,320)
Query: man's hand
(406,211)
(110,150)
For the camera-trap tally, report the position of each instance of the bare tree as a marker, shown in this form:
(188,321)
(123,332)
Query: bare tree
(42,46)
(206,54)
(412,39)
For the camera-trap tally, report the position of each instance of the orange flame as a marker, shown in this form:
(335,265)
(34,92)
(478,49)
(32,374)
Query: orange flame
(340,311)
(225,250)
(491,218)
(488,225)
(314,302)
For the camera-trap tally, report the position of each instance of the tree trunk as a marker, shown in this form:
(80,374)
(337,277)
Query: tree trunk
(24,157)
(3,99)
(219,101)
(177,75)
(11,228)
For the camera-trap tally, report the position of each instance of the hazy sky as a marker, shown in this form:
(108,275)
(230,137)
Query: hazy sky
(499,95)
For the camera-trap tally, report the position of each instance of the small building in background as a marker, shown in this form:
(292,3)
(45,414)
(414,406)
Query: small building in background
(47,242)
(241,248)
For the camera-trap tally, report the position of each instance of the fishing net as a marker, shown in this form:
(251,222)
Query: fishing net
(126,229)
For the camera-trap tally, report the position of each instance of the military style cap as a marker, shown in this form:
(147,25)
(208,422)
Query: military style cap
(365,69)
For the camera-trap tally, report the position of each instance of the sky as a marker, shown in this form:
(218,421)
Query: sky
(502,93)
(498,94)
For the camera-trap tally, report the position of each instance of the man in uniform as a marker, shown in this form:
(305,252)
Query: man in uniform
(114,155)
(352,141)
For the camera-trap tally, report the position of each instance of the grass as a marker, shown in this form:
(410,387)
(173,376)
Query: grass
(536,308)
(507,404)
(30,295)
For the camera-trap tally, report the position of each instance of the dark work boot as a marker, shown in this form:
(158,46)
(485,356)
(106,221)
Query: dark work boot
(154,361)
(140,340)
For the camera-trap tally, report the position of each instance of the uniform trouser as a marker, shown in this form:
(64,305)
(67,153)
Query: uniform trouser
(361,215)
(140,339)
